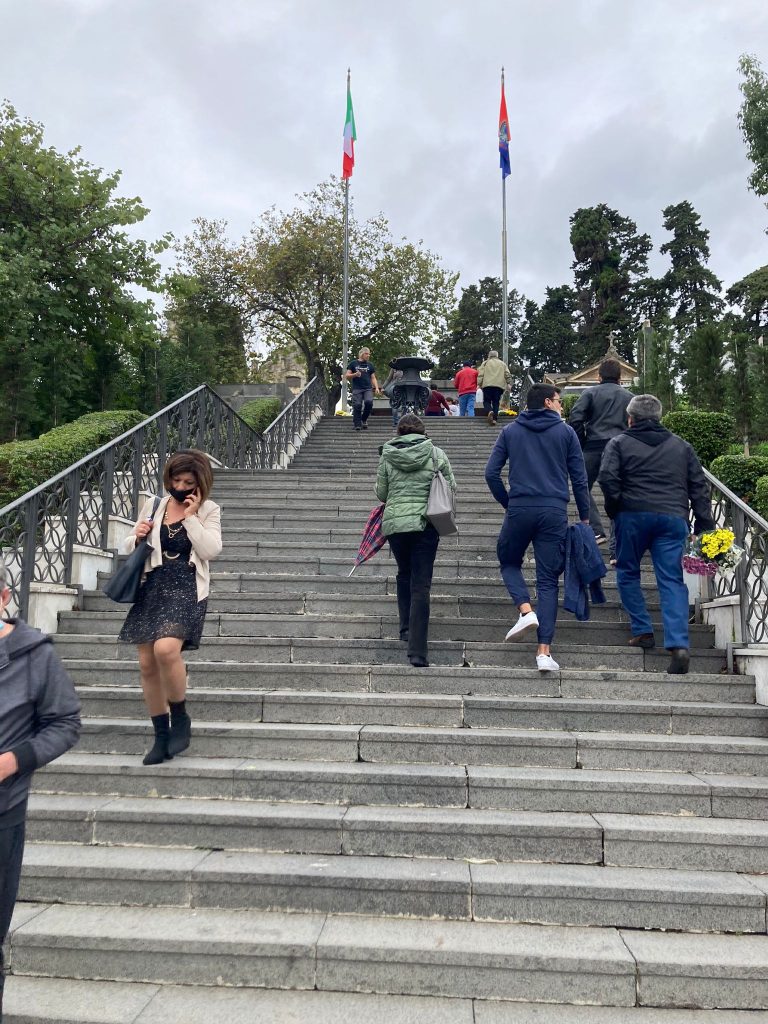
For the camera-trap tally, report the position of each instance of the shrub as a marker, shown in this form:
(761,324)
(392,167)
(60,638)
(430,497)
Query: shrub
(709,433)
(737,448)
(260,412)
(25,465)
(760,503)
(568,403)
(740,473)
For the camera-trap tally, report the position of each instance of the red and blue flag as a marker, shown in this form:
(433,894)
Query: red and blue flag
(503,135)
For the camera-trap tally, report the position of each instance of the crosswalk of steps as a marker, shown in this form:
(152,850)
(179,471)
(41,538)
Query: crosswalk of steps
(350,839)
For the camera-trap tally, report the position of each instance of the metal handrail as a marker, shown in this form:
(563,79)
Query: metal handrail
(42,531)
(749,580)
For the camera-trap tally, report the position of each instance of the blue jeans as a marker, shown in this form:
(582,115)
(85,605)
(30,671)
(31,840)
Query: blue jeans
(664,536)
(467,404)
(546,528)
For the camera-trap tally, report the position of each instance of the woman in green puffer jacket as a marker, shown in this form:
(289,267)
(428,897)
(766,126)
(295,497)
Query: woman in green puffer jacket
(403,483)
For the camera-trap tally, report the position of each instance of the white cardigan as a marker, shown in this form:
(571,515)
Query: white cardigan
(203,530)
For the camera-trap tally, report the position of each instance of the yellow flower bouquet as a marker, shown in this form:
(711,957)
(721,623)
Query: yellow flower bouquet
(711,553)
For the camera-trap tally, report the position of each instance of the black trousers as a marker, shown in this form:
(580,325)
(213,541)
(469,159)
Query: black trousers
(491,399)
(415,556)
(362,403)
(11,853)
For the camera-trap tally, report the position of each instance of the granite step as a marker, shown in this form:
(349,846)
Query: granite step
(342,625)
(340,707)
(602,684)
(370,652)
(580,790)
(395,887)
(460,959)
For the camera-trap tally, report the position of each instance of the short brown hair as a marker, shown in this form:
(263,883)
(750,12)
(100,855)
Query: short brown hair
(411,424)
(190,461)
(609,369)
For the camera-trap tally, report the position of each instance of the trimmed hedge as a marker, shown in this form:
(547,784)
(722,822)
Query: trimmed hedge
(25,465)
(758,448)
(741,473)
(709,433)
(260,412)
(760,504)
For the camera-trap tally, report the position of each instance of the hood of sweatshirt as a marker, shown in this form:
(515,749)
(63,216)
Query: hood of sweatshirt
(650,432)
(408,453)
(23,639)
(539,419)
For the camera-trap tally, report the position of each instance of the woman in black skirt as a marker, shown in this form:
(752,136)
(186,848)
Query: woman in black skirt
(168,617)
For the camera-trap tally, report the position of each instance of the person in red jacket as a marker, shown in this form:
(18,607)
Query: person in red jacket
(437,403)
(465,383)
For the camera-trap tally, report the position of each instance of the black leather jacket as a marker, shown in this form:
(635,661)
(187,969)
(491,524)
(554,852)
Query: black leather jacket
(600,414)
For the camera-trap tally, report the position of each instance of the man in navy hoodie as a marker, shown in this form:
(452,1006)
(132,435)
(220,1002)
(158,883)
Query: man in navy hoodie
(543,452)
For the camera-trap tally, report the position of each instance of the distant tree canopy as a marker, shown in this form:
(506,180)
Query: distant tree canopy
(285,280)
(69,317)
(475,326)
(753,120)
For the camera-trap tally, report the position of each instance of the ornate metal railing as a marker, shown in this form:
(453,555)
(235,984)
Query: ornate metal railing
(42,530)
(283,436)
(749,580)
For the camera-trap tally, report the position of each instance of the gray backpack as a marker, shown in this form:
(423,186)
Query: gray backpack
(441,506)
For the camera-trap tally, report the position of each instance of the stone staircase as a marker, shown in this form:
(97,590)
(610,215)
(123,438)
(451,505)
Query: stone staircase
(352,840)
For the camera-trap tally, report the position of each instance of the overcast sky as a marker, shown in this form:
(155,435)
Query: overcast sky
(222,108)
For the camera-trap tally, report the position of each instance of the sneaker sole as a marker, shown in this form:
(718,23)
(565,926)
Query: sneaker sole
(521,633)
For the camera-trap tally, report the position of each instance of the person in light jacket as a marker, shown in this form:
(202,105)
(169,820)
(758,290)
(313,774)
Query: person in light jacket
(494,377)
(39,721)
(403,483)
(169,615)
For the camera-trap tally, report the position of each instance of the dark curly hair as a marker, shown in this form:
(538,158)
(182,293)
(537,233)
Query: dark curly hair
(411,424)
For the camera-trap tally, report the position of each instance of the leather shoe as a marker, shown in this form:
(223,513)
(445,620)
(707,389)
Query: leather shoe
(644,640)
(419,662)
(681,659)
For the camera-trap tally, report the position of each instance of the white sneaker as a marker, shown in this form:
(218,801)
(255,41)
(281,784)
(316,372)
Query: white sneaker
(523,625)
(546,663)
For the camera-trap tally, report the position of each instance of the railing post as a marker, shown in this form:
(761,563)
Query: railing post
(184,426)
(73,517)
(742,583)
(201,400)
(162,453)
(108,494)
(30,555)
(230,437)
(137,471)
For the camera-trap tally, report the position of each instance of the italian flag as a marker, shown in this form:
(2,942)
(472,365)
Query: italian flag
(350,136)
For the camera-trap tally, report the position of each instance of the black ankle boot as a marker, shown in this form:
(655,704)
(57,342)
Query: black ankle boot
(181,728)
(159,751)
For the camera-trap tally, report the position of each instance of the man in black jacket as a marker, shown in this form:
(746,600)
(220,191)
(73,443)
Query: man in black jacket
(39,720)
(599,415)
(650,477)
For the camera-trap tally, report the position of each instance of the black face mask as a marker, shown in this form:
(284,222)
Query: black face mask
(181,495)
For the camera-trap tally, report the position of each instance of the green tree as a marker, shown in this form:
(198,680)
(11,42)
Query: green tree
(693,289)
(204,338)
(285,280)
(703,378)
(68,311)
(753,120)
(550,341)
(610,259)
(739,383)
(475,325)
(751,295)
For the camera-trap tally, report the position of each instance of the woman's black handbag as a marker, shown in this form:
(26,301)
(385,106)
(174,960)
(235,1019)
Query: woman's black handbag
(123,586)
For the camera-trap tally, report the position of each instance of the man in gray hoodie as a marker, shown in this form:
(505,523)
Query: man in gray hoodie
(39,720)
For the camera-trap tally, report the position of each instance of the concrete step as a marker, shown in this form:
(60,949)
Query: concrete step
(306,602)
(461,959)
(395,887)
(368,652)
(41,1000)
(443,711)
(520,682)
(352,627)
(571,790)
(524,748)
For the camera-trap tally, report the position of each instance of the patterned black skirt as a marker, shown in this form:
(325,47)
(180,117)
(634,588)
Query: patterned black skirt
(167,606)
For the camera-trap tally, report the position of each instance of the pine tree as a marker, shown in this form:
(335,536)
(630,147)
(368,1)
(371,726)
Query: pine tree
(703,369)
(549,340)
(693,289)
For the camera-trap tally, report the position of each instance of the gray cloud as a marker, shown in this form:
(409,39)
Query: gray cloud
(223,109)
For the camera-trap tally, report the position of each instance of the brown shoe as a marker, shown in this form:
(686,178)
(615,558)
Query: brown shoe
(490,419)
(644,640)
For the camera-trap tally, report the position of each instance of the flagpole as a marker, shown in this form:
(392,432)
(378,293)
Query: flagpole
(345,301)
(504,311)
(345,307)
